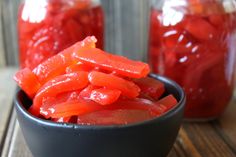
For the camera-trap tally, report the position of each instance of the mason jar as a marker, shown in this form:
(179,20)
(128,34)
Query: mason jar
(193,43)
(45,27)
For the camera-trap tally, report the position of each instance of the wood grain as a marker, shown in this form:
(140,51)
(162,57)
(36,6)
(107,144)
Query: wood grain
(173,153)
(9,134)
(207,141)
(7,88)
(18,147)
(15,145)
(226,126)
(184,145)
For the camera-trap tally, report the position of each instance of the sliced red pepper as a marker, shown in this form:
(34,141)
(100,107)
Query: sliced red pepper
(114,117)
(86,92)
(80,107)
(150,87)
(105,96)
(139,104)
(205,8)
(110,81)
(82,5)
(57,64)
(206,32)
(61,119)
(173,37)
(60,84)
(27,81)
(216,19)
(78,67)
(71,24)
(196,7)
(110,62)
(167,102)
(70,108)
(60,98)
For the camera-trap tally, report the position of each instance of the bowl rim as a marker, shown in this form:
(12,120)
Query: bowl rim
(165,80)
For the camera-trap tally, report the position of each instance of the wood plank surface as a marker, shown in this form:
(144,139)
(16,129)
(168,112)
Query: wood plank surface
(226,126)
(9,134)
(207,141)
(7,88)
(184,146)
(18,146)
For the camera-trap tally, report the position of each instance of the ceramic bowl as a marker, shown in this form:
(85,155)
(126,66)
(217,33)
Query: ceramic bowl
(151,138)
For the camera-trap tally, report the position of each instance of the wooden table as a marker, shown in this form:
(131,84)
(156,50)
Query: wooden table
(213,139)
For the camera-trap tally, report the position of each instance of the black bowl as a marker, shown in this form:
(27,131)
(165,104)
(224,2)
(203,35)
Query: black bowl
(151,138)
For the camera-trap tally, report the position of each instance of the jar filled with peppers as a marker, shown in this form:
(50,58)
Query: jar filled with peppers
(45,27)
(193,42)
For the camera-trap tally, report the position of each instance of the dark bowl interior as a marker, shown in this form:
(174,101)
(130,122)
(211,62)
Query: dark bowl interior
(151,138)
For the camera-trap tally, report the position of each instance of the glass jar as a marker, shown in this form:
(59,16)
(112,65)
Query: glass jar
(193,43)
(45,27)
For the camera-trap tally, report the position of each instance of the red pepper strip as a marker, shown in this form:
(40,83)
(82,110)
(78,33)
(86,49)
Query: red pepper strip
(82,5)
(167,103)
(78,67)
(60,84)
(139,104)
(207,30)
(110,81)
(105,96)
(57,64)
(114,117)
(61,119)
(86,92)
(60,98)
(150,87)
(69,108)
(75,108)
(110,62)
(27,81)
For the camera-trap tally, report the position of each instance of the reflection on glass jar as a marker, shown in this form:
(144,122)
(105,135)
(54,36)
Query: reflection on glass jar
(45,27)
(192,42)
